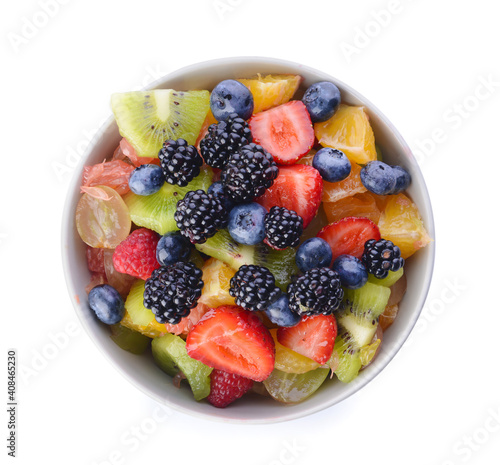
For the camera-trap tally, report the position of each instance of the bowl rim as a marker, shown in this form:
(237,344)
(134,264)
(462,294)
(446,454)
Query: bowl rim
(288,414)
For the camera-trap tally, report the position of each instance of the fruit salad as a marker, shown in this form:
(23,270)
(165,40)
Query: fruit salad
(250,236)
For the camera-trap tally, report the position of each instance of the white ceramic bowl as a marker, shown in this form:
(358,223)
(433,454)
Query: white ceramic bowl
(140,370)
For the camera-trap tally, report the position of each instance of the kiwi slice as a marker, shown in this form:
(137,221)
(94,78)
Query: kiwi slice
(148,118)
(129,340)
(361,309)
(156,211)
(281,263)
(389,280)
(169,353)
(137,317)
(357,323)
(348,354)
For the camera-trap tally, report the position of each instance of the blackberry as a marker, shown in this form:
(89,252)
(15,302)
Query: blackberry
(172,291)
(381,256)
(316,292)
(283,227)
(248,173)
(180,162)
(253,287)
(223,139)
(200,215)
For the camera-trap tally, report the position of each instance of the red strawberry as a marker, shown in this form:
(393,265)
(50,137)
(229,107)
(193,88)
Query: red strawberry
(225,388)
(313,337)
(136,255)
(234,340)
(298,188)
(348,235)
(286,131)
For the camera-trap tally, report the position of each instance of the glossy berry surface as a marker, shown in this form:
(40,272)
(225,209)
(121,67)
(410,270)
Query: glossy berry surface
(180,162)
(229,97)
(172,247)
(316,292)
(403,179)
(200,215)
(382,256)
(223,139)
(322,100)
(352,272)
(313,253)
(283,227)
(107,304)
(217,189)
(146,180)
(253,287)
(248,173)
(225,388)
(172,291)
(332,164)
(378,177)
(246,223)
(280,314)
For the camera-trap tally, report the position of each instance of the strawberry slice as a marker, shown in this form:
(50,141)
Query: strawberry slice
(286,131)
(298,188)
(234,340)
(348,235)
(312,337)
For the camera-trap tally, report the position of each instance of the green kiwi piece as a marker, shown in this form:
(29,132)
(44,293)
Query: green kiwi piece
(348,354)
(139,314)
(196,258)
(169,353)
(149,118)
(156,211)
(294,387)
(389,280)
(281,263)
(129,340)
(361,310)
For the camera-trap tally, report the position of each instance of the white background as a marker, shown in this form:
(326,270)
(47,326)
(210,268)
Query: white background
(436,403)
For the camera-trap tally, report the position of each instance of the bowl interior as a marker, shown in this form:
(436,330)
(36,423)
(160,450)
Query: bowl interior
(140,370)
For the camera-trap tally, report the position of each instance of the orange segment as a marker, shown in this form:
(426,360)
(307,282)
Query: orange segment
(361,205)
(349,130)
(334,191)
(401,223)
(272,90)
(216,276)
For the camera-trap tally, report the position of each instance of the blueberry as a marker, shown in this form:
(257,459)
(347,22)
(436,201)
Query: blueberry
(332,164)
(403,179)
(321,100)
(231,96)
(378,177)
(217,189)
(246,223)
(107,304)
(146,180)
(173,247)
(351,270)
(313,253)
(280,314)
